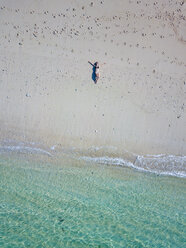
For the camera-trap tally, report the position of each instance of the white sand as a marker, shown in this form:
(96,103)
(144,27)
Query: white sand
(46,89)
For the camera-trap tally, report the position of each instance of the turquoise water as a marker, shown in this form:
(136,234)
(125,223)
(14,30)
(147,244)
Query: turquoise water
(72,203)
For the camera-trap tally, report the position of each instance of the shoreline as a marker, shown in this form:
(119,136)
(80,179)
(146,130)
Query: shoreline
(164,165)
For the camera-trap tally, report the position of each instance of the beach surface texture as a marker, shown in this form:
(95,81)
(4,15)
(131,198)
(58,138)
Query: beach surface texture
(47,92)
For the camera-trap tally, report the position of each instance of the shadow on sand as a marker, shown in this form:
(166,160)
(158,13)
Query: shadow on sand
(93,71)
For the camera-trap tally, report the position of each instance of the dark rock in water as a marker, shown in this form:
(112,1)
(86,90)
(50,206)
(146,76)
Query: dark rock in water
(60,219)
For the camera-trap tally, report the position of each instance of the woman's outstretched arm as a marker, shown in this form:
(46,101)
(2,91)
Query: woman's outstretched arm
(90,63)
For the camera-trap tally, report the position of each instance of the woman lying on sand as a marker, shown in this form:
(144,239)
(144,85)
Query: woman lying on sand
(96,72)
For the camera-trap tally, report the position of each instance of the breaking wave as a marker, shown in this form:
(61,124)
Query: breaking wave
(159,164)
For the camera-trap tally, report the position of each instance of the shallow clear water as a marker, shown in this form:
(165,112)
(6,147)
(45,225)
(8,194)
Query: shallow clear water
(72,203)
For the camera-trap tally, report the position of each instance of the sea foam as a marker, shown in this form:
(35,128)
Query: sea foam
(160,164)
(24,149)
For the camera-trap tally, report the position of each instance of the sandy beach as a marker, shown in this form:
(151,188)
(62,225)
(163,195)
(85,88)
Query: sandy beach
(47,93)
